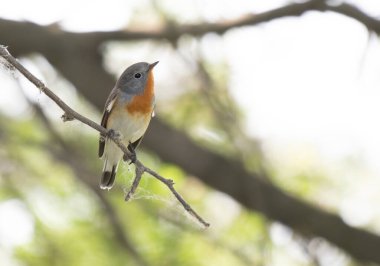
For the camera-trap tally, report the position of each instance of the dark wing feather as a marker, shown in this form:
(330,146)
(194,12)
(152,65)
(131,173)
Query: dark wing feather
(133,146)
(107,110)
(102,139)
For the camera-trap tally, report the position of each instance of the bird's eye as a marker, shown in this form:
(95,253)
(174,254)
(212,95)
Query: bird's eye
(138,75)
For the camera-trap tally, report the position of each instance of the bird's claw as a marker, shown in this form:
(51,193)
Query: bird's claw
(132,157)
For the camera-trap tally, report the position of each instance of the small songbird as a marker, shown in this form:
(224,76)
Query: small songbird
(128,111)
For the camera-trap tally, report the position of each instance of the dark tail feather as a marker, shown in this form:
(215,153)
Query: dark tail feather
(108,178)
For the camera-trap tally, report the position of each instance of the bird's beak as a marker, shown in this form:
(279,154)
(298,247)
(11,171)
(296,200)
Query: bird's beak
(151,66)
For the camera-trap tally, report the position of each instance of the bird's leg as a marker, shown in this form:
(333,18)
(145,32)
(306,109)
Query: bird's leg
(114,134)
(132,157)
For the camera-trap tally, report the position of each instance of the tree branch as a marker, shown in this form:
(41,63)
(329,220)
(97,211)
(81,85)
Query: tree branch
(371,23)
(60,47)
(173,32)
(169,32)
(71,114)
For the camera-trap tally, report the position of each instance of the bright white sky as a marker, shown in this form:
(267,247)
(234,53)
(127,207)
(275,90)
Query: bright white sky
(311,81)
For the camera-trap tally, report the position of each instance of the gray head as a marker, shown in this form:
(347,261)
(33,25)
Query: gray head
(134,78)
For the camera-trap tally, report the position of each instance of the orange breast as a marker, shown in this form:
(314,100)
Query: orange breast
(143,103)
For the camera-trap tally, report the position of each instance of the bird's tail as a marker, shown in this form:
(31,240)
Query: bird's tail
(108,175)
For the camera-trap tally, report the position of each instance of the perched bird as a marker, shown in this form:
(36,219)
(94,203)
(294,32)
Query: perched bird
(127,113)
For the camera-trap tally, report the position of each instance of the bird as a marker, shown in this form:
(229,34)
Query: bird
(127,114)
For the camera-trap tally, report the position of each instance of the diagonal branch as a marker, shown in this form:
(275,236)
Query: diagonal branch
(70,114)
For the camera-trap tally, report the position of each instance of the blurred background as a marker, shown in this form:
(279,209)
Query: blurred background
(266,120)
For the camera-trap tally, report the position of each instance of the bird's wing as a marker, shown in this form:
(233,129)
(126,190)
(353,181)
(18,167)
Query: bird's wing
(107,110)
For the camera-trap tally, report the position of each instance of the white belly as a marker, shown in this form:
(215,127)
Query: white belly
(131,127)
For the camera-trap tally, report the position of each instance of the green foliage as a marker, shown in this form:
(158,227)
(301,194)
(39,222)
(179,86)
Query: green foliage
(71,226)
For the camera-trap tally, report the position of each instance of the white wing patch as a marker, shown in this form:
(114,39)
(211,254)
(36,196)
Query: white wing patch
(110,105)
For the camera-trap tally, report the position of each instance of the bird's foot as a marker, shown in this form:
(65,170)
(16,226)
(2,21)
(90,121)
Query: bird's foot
(114,134)
(132,156)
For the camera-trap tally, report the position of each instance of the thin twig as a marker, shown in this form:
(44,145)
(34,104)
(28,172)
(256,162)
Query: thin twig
(170,184)
(70,114)
(138,174)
